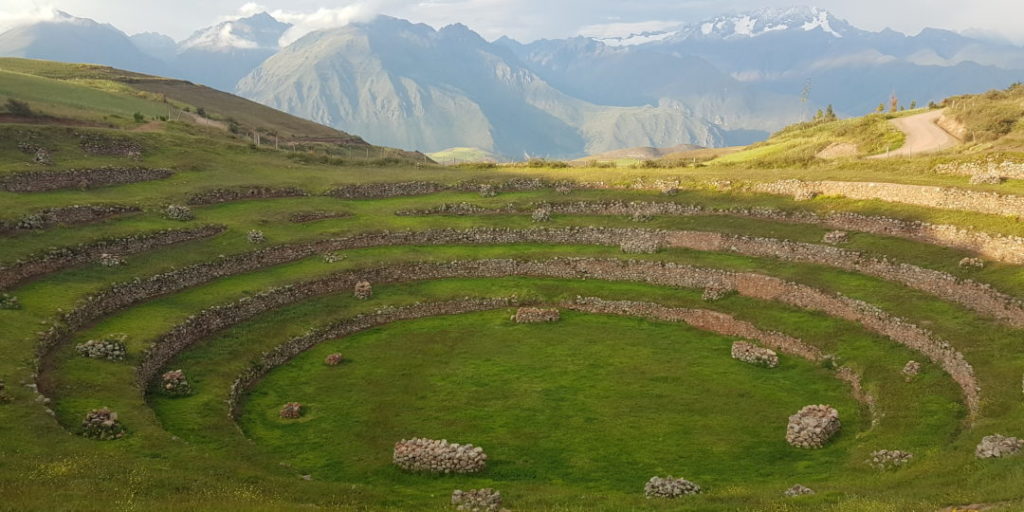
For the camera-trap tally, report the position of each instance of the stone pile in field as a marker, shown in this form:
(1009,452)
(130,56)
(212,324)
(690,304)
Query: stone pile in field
(813,426)
(363,290)
(755,355)
(111,260)
(836,237)
(713,294)
(669,487)
(334,359)
(111,348)
(996,446)
(432,456)
(291,411)
(256,236)
(179,213)
(889,459)
(798,490)
(542,214)
(175,383)
(912,369)
(976,263)
(102,424)
(536,315)
(477,500)
(9,302)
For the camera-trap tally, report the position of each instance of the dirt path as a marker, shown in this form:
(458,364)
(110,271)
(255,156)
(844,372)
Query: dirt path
(923,135)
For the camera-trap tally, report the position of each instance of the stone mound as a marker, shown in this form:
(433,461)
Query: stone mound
(755,355)
(102,424)
(477,500)
(111,348)
(536,315)
(175,383)
(798,490)
(997,446)
(363,290)
(813,426)
(889,459)
(291,411)
(669,487)
(432,456)
(334,359)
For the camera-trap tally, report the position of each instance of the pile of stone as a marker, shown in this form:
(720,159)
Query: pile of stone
(363,290)
(536,315)
(477,500)
(542,214)
(111,260)
(987,179)
(333,257)
(488,190)
(9,302)
(977,263)
(640,216)
(291,411)
(564,188)
(175,383)
(256,236)
(179,212)
(755,355)
(102,424)
(996,446)
(837,237)
(334,359)
(111,348)
(813,426)
(639,245)
(713,294)
(669,487)
(428,455)
(911,369)
(889,459)
(797,490)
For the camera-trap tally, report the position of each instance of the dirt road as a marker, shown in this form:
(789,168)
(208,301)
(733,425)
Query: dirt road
(923,135)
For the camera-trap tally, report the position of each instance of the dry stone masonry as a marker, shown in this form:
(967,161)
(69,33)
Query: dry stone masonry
(174,383)
(303,217)
(103,425)
(477,500)
(797,490)
(889,459)
(228,195)
(42,181)
(836,237)
(66,215)
(755,355)
(813,426)
(669,487)
(530,315)
(441,457)
(997,446)
(972,263)
(110,348)
(291,411)
(541,214)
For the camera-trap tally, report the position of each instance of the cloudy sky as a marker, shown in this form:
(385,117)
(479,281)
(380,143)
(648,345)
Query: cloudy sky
(522,19)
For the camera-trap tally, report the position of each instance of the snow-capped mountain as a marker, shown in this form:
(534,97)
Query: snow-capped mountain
(219,56)
(766,21)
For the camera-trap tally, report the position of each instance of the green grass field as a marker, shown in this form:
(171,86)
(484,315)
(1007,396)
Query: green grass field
(575,415)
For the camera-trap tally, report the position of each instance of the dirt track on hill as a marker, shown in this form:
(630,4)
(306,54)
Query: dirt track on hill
(923,135)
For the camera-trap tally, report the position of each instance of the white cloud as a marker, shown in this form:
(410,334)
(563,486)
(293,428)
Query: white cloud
(17,13)
(321,19)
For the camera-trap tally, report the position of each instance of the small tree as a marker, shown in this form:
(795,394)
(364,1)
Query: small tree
(819,115)
(201,111)
(913,105)
(830,114)
(19,108)
(881,108)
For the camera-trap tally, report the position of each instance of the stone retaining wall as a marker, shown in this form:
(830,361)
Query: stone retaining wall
(931,197)
(66,257)
(70,215)
(665,274)
(227,195)
(1005,248)
(41,181)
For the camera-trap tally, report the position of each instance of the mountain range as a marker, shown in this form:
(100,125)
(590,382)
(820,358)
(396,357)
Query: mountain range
(723,81)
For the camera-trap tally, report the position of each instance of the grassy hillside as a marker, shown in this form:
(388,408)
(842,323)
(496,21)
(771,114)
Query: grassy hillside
(575,415)
(455,156)
(990,120)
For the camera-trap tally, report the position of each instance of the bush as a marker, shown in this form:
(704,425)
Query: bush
(139,118)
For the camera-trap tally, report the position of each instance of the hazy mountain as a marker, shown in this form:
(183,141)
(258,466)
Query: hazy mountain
(219,56)
(70,39)
(411,86)
(786,50)
(156,45)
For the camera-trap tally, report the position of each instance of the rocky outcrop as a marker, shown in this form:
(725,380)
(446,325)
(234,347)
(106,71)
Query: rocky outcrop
(42,181)
(442,457)
(669,487)
(813,426)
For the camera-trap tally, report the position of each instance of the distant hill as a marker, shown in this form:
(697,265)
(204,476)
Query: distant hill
(642,153)
(465,155)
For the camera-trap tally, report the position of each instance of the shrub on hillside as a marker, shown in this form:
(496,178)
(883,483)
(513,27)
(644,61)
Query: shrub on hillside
(18,108)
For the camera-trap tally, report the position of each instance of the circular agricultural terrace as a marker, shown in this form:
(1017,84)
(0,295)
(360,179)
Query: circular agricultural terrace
(267,345)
